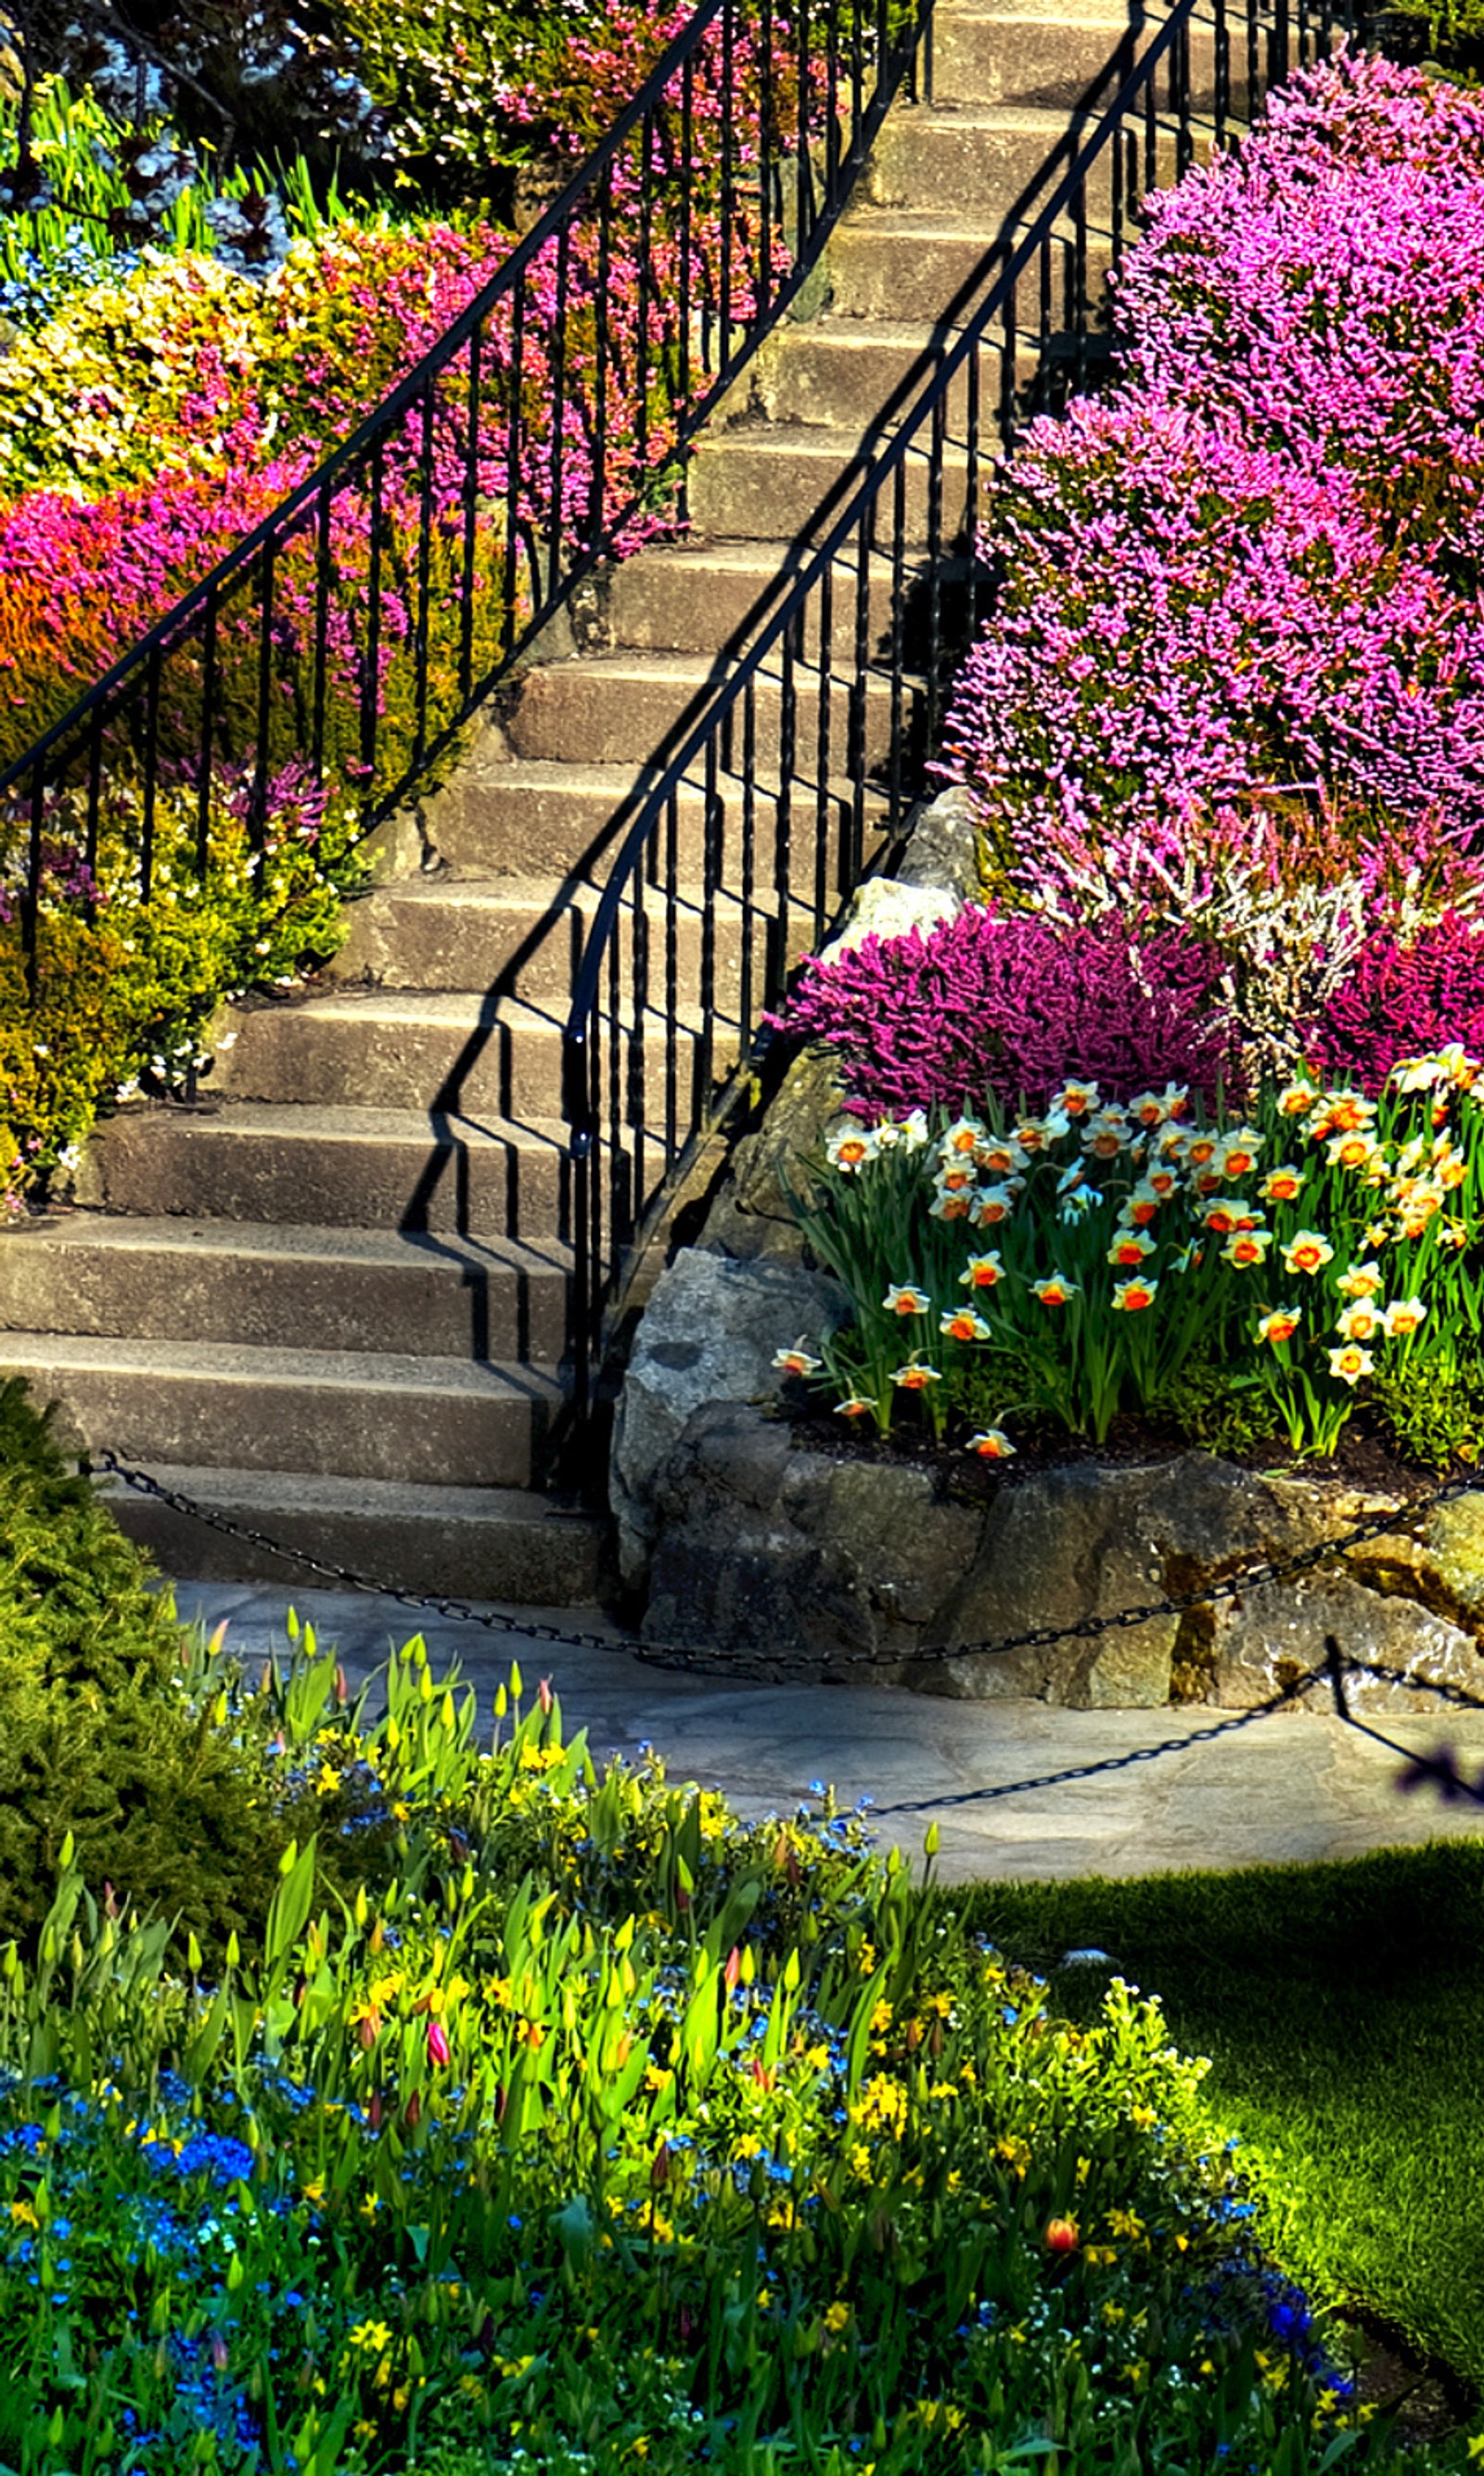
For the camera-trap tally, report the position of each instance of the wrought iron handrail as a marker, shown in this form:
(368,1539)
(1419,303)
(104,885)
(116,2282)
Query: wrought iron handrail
(622,1167)
(485,484)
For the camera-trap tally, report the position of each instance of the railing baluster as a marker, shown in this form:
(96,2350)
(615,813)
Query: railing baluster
(767,165)
(31,900)
(371,678)
(749,852)
(471,504)
(710,882)
(514,449)
(803,168)
(257,810)
(822,750)
(151,773)
(672,969)
(321,676)
(728,193)
(899,615)
(855,745)
(641,372)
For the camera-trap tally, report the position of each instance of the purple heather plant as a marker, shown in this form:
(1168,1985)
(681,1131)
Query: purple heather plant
(987,1002)
(1402,1000)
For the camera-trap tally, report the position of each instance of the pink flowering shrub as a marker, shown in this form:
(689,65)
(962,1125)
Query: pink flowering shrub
(1319,290)
(1398,1000)
(993,1003)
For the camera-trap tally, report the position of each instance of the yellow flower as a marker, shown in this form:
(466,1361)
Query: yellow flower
(837,2318)
(372,2338)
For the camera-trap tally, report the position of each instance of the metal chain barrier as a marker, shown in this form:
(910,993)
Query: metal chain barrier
(708,1661)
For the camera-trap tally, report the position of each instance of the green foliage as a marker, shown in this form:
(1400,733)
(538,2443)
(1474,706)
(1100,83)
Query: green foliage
(1434,1415)
(1218,1408)
(490,2169)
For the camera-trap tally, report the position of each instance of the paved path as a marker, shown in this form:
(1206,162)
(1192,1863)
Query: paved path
(1298,1786)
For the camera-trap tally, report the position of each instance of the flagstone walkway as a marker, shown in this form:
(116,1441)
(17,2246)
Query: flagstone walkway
(1298,1787)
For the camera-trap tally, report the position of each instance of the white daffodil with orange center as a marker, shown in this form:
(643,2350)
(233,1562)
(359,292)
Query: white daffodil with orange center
(1279,1323)
(982,1272)
(961,1138)
(1247,1246)
(915,1376)
(1297,1098)
(1033,1134)
(1130,1247)
(957,1174)
(1076,1100)
(856,1407)
(1351,1151)
(1343,1113)
(1360,1281)
(1282,1185)
(951,1203)
(1141,1206)
(1129,1297)
(993,1204)
(1350,1362)
(1403,1316)
(1361,1321)
(903,1299)
(1176,1099)
(1055,1290)
(1239,1152)
(1106,1133)
(1309,1250)
(851,1149)
(795,1361)
(1149,1110)
(962,1324)
(1225,1213)
(1162,1179)
(1201,1151)
(1000,1159)
(991,1443)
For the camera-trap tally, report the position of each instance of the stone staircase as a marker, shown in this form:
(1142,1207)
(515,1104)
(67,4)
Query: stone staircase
(330,1301)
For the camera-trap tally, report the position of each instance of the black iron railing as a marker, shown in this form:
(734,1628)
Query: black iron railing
(807,756)
(352,634)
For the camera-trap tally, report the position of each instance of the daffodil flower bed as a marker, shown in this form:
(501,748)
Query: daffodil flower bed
(1070,1266)
(606,2129)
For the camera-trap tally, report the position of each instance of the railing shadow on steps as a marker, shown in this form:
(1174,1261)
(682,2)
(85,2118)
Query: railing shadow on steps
(805,757)
(355,631)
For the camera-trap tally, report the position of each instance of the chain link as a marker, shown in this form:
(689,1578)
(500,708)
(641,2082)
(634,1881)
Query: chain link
(708,1662)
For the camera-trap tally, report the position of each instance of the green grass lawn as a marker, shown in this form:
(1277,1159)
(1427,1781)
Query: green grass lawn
(1343,2009)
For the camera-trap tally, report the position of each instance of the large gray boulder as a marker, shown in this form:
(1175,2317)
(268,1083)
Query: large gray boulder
(709,1334)
(764,1548)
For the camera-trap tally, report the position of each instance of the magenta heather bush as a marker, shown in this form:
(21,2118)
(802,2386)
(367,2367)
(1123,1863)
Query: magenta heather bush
(993,1002)
(1404,1002)
(1320,291)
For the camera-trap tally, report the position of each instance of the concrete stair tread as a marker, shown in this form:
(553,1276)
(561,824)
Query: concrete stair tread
(449,1011)
(284,1242)
(502,894)
(693,670)
(493,1544)
(354,1371)
(326,1123)
(319,1491)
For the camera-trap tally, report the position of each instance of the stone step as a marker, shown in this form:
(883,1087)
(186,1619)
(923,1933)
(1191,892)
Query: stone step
(517,937)
(538,812)
(430,1050)
(704,594)
(350,1414)
(992,164)
(470,1542)
(929,266)
(339,1168)
(621,707)
(1027,55)
(745,483)
(285,1286)
(841,372)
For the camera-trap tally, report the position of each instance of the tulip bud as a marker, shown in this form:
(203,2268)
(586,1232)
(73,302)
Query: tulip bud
(414,2112)
(342,1692)
(1061,2234)
(544,1694)
(733,1968)
(374,2110)
(438,2042)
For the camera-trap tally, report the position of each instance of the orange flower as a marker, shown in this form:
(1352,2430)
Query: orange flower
(963,1324)
(982,1272)
(1055,1291)
(1061,2234)
(1247,1246)
(1281,1184)
(915,1378)
(903,1299)
(992,1445)
(1131,1295)
(1130,1248)
(1280,1325)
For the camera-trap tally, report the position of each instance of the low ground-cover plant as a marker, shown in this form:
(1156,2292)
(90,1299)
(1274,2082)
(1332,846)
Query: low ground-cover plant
(1070,1264)
(607,2131)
